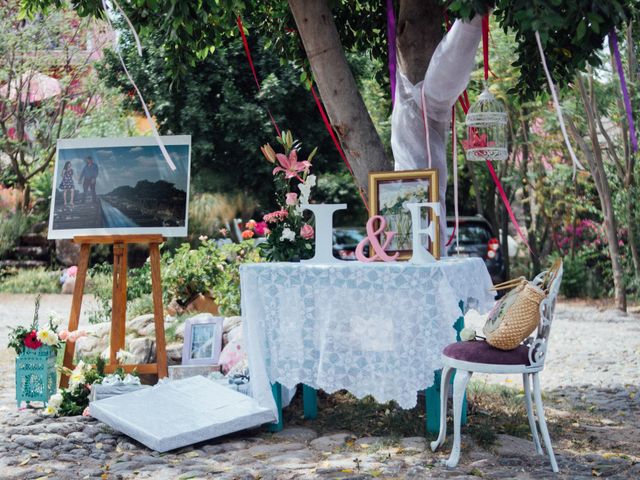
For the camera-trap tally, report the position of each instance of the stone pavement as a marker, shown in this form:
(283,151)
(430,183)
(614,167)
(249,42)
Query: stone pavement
(591,385)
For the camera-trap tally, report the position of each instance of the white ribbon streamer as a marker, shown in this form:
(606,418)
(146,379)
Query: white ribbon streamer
(109,10)
(556,104)
(426,123)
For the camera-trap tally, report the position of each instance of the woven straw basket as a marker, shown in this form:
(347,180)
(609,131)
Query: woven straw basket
(517,315)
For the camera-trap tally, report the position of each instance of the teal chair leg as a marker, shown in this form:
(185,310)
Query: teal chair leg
(310,402)
(276,390)
(432,394)
(432,404)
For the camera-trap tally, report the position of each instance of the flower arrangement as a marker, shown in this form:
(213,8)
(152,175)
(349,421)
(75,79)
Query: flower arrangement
(289,236)
(253,229)
(74,400)
(33,337)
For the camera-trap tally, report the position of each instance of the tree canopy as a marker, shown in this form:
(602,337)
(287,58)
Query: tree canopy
(572,31)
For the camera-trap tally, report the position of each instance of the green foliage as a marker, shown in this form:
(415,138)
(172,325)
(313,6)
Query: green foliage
(12,227)
(188,272)
(101,287)
(46,45)
(571,32)
(227,133)
(226,290)
(37,280)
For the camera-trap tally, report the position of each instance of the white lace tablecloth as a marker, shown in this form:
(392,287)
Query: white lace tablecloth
(372,329)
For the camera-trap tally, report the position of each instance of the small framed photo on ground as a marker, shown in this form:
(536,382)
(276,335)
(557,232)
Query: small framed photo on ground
(202,340)
(389,191)
(120,186)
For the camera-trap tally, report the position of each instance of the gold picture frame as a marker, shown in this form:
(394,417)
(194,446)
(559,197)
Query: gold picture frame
(387,193)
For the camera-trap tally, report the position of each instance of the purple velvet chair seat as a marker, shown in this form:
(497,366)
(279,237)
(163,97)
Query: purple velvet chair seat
(479,351)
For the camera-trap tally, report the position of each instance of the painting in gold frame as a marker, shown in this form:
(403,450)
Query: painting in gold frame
(388,191)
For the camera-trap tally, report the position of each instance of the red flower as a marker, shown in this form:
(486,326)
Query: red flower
(31,340)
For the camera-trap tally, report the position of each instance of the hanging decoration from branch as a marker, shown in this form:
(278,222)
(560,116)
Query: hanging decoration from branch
(486,118)
(576,163)
(110,11)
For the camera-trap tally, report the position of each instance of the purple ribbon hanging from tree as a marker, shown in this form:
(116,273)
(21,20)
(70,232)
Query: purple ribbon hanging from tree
(391,42)
(625,94)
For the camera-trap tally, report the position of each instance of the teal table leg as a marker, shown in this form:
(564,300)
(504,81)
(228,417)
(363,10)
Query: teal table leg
(310,402)
(432,404)
(459,325)
(276,389)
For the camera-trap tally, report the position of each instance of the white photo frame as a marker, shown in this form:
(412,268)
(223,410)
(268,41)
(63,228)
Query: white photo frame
(120,186)
(202,340)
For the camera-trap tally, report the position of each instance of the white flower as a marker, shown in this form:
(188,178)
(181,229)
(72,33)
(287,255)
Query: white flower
(48,336)
(305,192)
(288,234)
(50,411)
(311,181)
(55,318)
(55,400)
(76,379)
(122,356)
(467,334)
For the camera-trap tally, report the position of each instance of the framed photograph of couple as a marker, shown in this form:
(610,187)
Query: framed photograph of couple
(120,186)
(202,340)
(389,191)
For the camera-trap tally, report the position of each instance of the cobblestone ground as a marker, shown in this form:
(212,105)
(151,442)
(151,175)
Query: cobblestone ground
(591,384)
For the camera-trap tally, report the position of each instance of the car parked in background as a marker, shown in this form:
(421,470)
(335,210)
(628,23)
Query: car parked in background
(345,241)
(477,239)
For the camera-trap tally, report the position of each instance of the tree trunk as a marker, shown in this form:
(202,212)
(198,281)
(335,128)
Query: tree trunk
(419,32)
(527,200)
(633,246)
(596,166)
(345,107)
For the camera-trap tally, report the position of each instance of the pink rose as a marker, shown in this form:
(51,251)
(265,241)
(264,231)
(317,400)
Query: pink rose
(86,412)
(307,232)
(72,271)
(291,198)
(72,337)
(63,334)
(261,228)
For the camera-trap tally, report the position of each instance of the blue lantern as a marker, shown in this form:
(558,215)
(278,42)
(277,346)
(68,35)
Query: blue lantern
(36,376)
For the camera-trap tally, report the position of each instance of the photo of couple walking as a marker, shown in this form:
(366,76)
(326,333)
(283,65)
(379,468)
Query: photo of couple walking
(117,186)
(87,179)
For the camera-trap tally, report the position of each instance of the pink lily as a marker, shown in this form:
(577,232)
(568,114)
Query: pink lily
(290,165)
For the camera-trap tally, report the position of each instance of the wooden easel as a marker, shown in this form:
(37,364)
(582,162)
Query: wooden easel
(119,301)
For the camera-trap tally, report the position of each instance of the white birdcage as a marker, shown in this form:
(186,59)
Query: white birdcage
(486,129)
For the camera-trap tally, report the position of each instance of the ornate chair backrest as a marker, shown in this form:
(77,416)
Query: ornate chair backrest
(538,345)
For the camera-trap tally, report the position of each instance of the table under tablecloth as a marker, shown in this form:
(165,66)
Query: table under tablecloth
(372,329)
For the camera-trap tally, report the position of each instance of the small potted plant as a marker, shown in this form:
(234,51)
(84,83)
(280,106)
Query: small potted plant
(189,275)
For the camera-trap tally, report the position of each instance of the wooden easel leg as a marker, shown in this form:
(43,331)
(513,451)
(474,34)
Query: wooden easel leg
(158,314)
(76,306)
(119,301)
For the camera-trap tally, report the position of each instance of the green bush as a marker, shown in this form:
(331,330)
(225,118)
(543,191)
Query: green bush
(37,280)
(12,226)
(226,290)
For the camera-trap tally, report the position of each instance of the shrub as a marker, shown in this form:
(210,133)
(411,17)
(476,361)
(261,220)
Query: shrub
(226,290)
(37,280)
(12,226)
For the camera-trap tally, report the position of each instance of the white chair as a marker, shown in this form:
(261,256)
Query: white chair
(478,356)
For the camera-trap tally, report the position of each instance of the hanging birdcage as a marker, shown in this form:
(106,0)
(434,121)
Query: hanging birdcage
(486,129)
